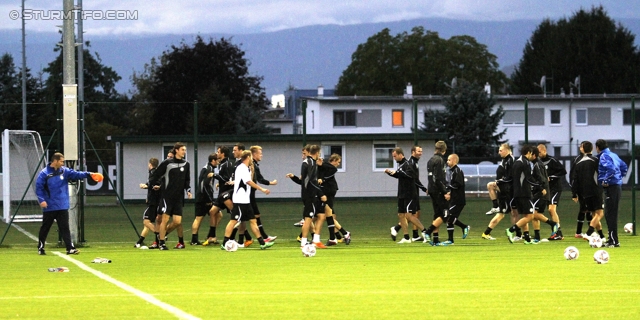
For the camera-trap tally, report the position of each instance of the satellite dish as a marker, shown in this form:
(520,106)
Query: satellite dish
(543,81)
(454,82)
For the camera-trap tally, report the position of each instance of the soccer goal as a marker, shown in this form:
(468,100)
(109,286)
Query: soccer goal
(22,153)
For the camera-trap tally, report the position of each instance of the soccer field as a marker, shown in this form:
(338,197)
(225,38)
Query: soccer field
(373,278)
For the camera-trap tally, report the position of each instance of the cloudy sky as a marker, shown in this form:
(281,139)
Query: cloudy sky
(255,16)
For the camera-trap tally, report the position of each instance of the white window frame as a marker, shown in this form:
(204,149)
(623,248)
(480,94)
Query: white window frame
(586,117)
(373,155)
(344,153)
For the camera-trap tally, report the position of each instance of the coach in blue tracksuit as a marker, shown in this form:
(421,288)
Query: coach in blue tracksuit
(52,189)
(610,172)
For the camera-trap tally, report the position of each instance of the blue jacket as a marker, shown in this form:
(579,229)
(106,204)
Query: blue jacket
(53,186)
(610,169)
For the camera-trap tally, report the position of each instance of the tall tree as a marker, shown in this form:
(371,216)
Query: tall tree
(214,73)
(385,64)
(468,120)
(11,95)
(589,44)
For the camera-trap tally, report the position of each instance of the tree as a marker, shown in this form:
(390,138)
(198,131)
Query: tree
(11,94)
(214,73)
(385,64)
(589,44)
(468,120)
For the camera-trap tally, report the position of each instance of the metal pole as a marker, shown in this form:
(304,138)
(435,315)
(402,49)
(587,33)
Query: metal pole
(24,73)
(633,163)
(195,148)
(526,120)
(415,122)
(304,122)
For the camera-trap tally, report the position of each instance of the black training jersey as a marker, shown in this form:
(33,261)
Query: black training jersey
(309,180)
(540,176)
(414,161)
(153,196)
(456,187)
(585,177)
(225,174)
(327,172)
(555,170)
(205,187)
(437,175)
(174,177)
(406,180)
(258,178)
(504,172)
(522,179)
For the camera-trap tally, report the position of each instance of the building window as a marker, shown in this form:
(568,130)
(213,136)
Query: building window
(557,151)
(513,117)
(329,148)
(382,158)
(555,116)
(344,118)
(626,117)
(581,116)
(397,118)
(599,116)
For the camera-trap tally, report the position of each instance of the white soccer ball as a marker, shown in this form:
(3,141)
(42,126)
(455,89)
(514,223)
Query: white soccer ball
(571,253)
(601,257)
(309,250)
(628,228)
(595,242)
(231,246)
(144,248)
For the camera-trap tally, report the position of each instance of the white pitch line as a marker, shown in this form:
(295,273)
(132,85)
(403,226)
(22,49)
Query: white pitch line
(25,232)
(142,295)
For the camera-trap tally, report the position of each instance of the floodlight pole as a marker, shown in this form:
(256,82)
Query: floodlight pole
(24,73)
(526,120)
(304,122)
(633,163)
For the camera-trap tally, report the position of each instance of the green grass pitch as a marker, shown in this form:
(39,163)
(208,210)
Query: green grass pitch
(373,278)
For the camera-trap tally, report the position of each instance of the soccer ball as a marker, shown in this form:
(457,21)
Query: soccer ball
(309,250)
(231,246)
(601,257)
(571,253)
(595,242)
(628,228)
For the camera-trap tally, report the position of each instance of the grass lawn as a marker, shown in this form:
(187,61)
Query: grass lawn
(373,278)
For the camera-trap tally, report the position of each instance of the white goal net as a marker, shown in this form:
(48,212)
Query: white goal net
(21,154)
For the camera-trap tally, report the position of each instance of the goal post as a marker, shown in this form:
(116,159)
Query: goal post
(22,159)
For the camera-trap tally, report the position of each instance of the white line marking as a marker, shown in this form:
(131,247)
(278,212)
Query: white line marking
(25,232)
(142,295)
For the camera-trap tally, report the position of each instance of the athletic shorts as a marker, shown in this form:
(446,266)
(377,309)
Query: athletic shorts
(172,207)
(222,197)
(202,209)
(555,196)
(242,212)
(417,200)
(407,206)
(439,205)
(504,205)
(254,207)
(455,210)
(313,208)
(151,212)
(592,204)
(523,205)
(540,204)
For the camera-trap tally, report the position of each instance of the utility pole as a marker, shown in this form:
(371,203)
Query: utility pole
(24,73)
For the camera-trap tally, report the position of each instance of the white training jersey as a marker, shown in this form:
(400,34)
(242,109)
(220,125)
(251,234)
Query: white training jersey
(241,190)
